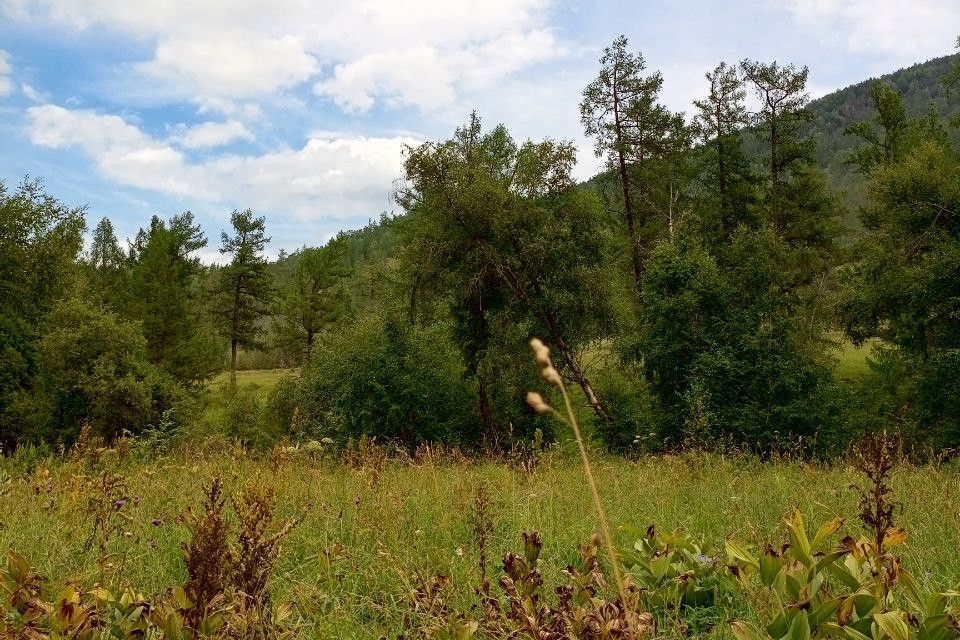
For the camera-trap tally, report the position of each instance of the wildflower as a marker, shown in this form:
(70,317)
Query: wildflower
(703,559)
(155,522)
(152,543)
(459,552)
(119,504)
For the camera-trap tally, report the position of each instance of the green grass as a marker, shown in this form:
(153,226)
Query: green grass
(852,363)
(415,520)
(260,381)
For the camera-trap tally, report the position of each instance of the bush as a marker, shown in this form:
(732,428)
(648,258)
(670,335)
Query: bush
(244,418)
(95,370)
(729,360)
(382,378)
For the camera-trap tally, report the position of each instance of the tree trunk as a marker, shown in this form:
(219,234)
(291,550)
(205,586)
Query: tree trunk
(636,258)
(309,345)
(490,438)
(233,363)
(576,371)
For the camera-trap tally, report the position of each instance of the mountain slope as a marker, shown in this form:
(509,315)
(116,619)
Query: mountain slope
(922,89)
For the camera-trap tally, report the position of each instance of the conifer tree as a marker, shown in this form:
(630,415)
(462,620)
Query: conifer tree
(245,288)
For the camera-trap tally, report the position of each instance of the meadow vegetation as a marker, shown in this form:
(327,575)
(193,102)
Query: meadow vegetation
(741,420)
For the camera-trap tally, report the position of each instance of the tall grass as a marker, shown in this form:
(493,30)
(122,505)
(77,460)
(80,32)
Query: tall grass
(349,565)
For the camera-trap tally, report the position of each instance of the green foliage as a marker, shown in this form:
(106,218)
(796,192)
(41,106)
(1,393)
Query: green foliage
(903,286)
(498,230)
(95,371)
(855,590)
(724,354)
(382,377)
(167,299)
(243,418)
(244,289)
(40,239)
(676,571)
(317,298)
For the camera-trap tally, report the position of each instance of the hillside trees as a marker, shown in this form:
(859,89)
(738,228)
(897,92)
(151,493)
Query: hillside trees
(903,287)
(244,289)
(499,229)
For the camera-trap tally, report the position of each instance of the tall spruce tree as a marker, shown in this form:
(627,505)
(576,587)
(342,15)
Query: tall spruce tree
(245,288)
(167,298)
(107,264)
(726,181)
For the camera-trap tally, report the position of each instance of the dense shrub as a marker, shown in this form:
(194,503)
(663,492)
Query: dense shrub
(382,377)
(726,355)
(95,370)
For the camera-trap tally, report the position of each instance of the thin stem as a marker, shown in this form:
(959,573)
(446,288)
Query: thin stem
(601,514)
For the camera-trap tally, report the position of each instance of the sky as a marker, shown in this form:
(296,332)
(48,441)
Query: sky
(300,109)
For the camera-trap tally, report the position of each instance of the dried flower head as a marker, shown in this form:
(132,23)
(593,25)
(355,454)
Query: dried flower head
(552,376)
(537,403)
(541,352)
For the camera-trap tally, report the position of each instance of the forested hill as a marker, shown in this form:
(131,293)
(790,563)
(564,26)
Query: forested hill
(921,86)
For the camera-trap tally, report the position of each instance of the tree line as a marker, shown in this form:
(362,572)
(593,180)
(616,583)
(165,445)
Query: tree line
(694,292)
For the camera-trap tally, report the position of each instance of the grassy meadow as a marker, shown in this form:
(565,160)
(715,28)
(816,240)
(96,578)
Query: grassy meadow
(367,533)
(364,536)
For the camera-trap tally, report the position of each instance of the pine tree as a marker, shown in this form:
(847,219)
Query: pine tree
(107,264)
(245,287)
(726,179)
(317,298)
(166,297)
(633,131)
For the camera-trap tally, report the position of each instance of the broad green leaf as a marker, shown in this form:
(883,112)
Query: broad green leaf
(893,625)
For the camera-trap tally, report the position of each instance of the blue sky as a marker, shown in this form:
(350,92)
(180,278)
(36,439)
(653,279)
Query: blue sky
(299,109)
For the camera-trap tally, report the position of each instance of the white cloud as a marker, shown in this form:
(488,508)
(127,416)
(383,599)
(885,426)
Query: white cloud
(224,50)
(31,94)
(427,77)
(325,179)
(229,63)
(6,71)
(208,135)
(907,32)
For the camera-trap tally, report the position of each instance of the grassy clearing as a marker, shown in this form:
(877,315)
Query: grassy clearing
(260,381)
(852,363)
(413,520)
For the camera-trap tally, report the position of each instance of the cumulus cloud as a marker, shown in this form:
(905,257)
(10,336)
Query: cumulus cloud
(427,77)
(325,179)
(208,135)
(229,63)
(355,52)
(6,71)
(904,32)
